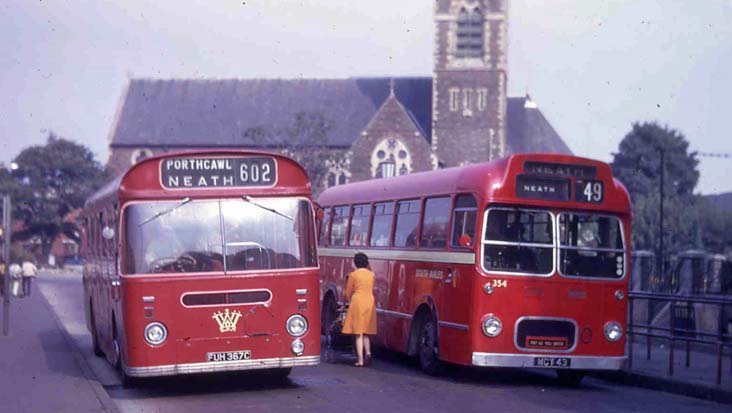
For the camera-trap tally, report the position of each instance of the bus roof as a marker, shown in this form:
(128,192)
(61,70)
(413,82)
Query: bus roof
(489,180)
(143,180)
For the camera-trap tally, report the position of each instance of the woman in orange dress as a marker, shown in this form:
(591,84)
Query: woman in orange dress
(361,315)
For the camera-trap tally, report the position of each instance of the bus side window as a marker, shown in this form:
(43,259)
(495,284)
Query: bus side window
(407,219)
(324,223)
(381,224)
(359,225)
(339,226)
(434,223)
(463,220)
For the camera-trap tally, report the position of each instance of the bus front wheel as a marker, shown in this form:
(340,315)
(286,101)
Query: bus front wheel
(95,335)
(427,347)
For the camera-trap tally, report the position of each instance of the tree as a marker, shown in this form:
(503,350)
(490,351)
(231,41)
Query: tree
(638,165)
(305,140)
(52,180)
(716,223)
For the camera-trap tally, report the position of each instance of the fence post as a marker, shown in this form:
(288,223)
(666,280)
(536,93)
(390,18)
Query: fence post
(672,321)
(719,363)
(649,329)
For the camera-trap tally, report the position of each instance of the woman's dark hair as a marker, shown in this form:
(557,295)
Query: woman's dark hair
(361,260)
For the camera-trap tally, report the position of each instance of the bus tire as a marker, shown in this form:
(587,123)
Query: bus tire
(94,333)
(571,378)
(126,380)
(428,348)
(328,314)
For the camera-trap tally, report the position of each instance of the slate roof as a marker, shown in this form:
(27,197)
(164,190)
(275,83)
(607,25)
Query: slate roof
(218,113)
(529,131)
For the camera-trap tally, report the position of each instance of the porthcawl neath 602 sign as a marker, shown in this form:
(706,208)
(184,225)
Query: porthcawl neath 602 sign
(218,172)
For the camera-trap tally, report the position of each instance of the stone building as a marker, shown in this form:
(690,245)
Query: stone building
(371,127)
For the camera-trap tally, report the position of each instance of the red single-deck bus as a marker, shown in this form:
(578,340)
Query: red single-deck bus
(203,262)
(520,262)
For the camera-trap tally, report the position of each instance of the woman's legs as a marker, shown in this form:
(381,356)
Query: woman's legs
(359,348)
(366,346)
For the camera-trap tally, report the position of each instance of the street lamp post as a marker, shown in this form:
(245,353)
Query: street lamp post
(662,153)
(6,256)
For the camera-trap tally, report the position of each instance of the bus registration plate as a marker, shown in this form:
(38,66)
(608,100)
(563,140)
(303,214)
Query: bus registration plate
(229,356)
(561,362)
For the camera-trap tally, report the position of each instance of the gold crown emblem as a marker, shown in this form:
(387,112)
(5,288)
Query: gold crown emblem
(227,320)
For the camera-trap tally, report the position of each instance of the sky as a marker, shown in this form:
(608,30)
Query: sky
(593,66)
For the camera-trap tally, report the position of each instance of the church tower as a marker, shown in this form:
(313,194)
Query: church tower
(469,90)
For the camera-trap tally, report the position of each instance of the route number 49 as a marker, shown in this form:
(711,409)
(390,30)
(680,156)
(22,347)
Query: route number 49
(589,191)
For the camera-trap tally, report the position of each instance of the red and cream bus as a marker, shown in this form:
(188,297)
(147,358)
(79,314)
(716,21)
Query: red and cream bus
(520,262)
(202,262)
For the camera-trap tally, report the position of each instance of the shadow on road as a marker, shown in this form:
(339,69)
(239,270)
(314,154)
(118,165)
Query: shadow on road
(201,384)
(55,351)
(399,363)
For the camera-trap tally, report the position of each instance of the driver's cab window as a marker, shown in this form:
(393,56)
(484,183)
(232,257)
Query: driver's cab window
(463,221)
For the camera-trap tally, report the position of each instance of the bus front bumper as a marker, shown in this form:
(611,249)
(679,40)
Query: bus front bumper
(192,368)
(549,361)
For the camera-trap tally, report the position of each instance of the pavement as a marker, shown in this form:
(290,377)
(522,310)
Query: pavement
(42,369)
(698,379)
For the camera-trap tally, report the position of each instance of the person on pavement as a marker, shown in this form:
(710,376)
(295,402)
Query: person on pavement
(3,271)
(361,315)
(15,272)
(29,272)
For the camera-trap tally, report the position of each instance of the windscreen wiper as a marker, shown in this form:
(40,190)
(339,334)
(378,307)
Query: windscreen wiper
(167,211)
(274,211)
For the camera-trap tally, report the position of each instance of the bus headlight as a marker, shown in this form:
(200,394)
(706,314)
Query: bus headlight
(492,325)
(297,325)
(613,331)
(156,333)
(297,347)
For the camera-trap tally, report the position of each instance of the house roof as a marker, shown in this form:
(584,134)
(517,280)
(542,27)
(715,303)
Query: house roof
(220,113)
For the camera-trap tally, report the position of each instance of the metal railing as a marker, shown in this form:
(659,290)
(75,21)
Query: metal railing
(681,310)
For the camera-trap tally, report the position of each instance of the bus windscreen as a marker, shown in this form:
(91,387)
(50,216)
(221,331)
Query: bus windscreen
(590,245)
(219,235)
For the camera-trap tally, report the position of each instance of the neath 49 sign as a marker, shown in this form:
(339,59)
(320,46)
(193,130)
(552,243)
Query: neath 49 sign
(218,172)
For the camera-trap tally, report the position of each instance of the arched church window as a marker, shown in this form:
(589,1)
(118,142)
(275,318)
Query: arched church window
(470,33)
(139,155)
(390,158)
(338,173)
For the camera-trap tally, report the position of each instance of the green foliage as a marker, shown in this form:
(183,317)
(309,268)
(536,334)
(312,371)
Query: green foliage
(637,162)
(305,140)
(637,165)
(716,226)
(52,180)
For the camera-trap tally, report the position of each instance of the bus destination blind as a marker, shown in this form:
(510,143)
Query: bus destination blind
(218,172)
(540,187)
(560,169)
